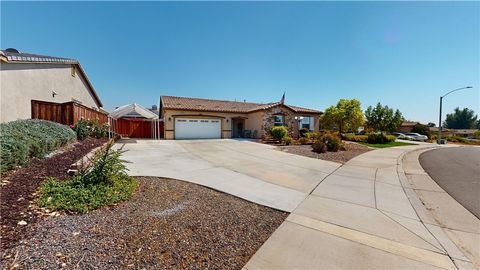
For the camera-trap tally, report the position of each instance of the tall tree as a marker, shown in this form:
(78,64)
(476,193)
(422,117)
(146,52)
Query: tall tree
(461,119)
(347,115)
(383,118)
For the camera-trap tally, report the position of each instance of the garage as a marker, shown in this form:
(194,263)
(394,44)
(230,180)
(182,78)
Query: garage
(194,128)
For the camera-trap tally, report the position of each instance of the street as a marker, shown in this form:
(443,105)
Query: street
(457,171)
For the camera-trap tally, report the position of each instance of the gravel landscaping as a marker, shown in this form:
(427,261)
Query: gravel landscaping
(18,186)
(351,150)
(167,224)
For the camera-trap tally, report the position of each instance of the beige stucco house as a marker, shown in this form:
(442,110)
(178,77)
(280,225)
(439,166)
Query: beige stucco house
(25,77)
(196,118)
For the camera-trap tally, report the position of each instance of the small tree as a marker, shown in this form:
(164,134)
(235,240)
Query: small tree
(430,124)
(383,118)
(346,115)
(461,119)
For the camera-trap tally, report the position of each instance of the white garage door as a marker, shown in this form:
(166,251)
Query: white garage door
(187,128)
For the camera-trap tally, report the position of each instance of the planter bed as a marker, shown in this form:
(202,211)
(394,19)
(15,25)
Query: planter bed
(19,185)
(167,224)
(352,150)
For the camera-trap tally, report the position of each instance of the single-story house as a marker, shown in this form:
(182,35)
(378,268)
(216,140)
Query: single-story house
(198,118)
(48,82)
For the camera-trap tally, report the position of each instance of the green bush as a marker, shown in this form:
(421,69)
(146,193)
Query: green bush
(287,140)
(279,132)
(23,139)
(476,134)
(380,138)
(457,139)
(332,142)
(99,130)
(303,140)
(390,138)
(105,183)
(355,138)
(303,132)
(90,128)
(319,146)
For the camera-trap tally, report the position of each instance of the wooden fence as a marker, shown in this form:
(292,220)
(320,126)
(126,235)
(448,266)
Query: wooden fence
(138,128)
(68,113)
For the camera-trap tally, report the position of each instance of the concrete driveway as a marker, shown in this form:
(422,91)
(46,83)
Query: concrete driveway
(252,171)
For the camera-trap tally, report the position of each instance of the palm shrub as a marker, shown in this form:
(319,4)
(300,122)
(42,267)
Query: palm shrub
(104,183)
(279,132)
(23,139)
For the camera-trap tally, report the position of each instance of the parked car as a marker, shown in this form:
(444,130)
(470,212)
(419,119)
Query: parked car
(417,137)
(401,136)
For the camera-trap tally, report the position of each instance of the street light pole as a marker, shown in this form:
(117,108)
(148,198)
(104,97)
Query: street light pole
(440,115)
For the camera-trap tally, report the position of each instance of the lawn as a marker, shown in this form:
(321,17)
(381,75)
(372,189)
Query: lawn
(385,145)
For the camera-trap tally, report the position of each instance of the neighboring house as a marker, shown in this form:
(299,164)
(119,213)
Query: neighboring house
(52,81)
(407,126)
(197,118)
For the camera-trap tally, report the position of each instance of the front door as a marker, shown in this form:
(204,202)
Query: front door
(238,126)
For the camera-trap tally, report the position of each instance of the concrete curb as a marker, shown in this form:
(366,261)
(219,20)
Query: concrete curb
(456,229)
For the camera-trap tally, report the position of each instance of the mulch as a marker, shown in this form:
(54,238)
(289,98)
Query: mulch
(351,150)
(18,187)
(167,224)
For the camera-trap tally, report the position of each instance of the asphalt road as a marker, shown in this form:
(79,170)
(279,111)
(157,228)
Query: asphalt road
(457,171)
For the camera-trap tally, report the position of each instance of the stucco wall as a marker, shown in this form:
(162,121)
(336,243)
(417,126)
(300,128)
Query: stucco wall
(20,83)
(169,120)
(259,120)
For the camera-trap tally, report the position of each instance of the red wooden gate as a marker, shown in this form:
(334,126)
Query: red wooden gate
(137,128)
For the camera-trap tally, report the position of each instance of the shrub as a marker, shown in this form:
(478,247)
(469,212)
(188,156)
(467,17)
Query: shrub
(105,183)
(319,146)
(303,140)
(476,134)
(390,138)
(83,129)
(90,128)
(332,142)
(99,130)
(287,140)
(303,132)
(23,139)
(355,138)
(457,139)
(279,132)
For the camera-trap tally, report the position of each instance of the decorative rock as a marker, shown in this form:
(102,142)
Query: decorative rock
(22,223)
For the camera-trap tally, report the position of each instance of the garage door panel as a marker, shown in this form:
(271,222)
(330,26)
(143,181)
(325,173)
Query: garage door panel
(191,128)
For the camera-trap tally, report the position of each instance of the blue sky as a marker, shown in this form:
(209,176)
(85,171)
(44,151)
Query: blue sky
(402,54)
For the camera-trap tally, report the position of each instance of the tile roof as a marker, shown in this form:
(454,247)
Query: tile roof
(13,56)
(212,105)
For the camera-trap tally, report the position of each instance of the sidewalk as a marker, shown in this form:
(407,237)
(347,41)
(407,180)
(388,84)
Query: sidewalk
(365,215)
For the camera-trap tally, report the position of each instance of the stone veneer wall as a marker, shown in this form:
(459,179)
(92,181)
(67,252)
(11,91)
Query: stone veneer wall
(289,119)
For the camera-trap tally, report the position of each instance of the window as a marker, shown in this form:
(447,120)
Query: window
(278,120)
(307,122)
